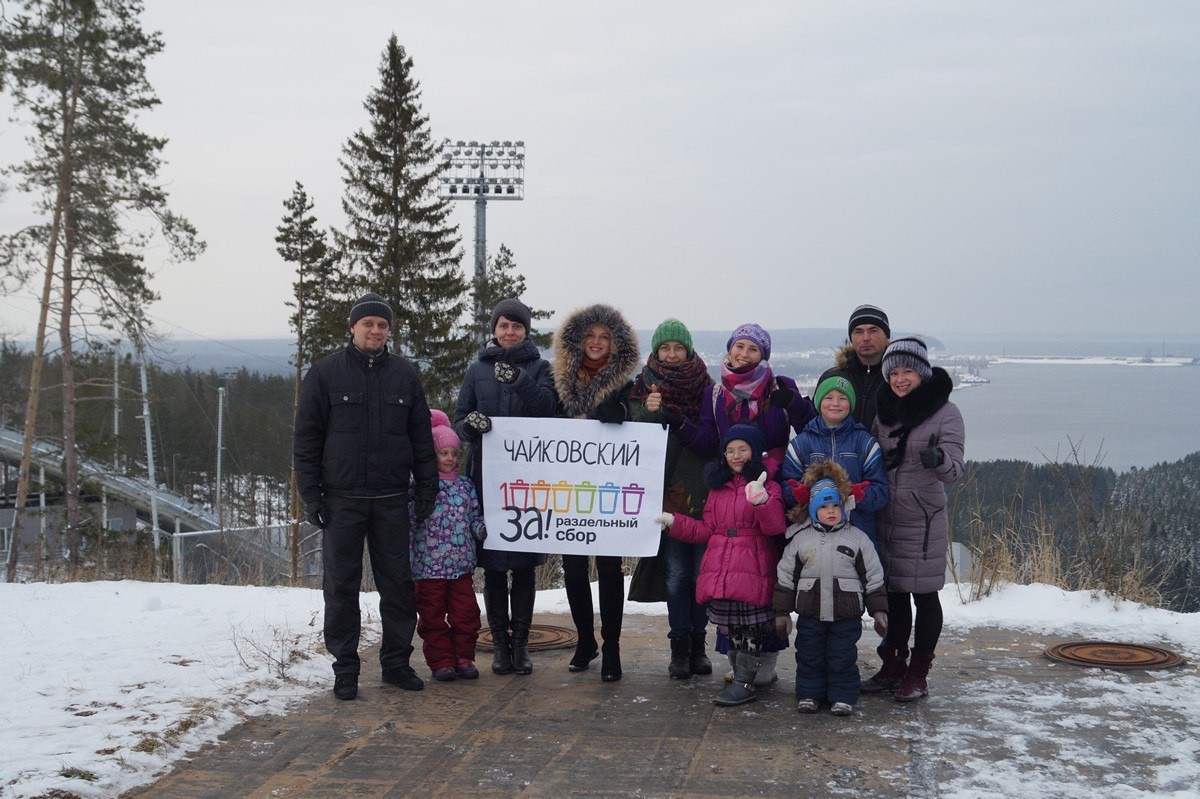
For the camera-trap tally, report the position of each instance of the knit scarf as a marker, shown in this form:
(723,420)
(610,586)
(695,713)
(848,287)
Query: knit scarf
(450,476)
(681,385)
(747,389)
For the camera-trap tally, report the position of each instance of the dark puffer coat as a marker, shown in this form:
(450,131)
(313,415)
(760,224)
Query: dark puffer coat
(604,396)
(913,526)
(362,428)
(531,396)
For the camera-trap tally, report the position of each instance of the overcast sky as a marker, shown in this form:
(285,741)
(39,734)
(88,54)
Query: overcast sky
(987,167)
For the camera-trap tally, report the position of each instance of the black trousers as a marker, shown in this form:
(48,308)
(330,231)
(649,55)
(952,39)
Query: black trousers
(382,524)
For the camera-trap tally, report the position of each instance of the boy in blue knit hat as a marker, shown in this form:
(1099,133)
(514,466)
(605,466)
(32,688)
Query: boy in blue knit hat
(828,574)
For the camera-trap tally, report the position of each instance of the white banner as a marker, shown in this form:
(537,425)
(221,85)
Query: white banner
(573,486)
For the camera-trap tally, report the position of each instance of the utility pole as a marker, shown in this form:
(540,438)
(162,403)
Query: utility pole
(221,392)
(141,350)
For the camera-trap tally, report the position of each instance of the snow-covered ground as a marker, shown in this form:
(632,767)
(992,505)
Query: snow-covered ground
(108,683)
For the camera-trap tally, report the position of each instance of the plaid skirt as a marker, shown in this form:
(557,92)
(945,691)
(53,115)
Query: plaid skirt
(731,613)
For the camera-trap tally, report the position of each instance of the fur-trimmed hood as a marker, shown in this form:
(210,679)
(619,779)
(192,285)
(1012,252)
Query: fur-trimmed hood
(845,357)
(578,399)
(824,470)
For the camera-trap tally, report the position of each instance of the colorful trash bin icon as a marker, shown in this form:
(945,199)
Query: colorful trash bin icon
(516,494)
(608,497)
(585,497)
(541,494)
(562,496)
(631,499)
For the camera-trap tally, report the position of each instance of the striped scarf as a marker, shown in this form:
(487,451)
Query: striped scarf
(746,391)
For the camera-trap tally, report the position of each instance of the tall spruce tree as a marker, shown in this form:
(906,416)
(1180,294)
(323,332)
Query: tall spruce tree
(76,72)
(501,281)
(399,240)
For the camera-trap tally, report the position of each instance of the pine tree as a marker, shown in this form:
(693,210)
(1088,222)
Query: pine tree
(501,281)
(319,303)
(320,295)
(76,70)
(399,241)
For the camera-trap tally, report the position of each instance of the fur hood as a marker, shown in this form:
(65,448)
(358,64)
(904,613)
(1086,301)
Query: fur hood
(914,408)
(824,470)
(580,400)
(845,357)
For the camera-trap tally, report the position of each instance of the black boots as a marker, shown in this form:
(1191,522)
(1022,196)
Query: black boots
(699,662)
(523,594)
(680,667)
(495,602)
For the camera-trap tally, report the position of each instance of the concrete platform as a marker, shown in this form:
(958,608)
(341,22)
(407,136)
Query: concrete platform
(558,734)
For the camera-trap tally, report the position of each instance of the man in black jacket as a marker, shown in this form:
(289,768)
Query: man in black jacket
(362,428)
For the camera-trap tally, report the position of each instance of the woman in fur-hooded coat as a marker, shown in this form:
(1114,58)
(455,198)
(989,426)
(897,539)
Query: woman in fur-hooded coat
(595,356)
(922,436)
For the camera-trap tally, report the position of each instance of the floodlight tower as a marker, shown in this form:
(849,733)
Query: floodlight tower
(481,172)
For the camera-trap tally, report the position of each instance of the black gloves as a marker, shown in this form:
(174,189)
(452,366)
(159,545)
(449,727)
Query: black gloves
(931,456)
(317,517)
(782,397)
(506,373)
(478,422)
(422,509)
(672,418)
(611,412)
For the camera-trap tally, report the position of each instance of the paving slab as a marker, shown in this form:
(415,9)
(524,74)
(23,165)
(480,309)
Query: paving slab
(998,711)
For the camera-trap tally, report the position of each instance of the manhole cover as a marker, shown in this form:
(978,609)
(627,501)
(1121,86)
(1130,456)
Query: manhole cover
(1109,655)
(541,636)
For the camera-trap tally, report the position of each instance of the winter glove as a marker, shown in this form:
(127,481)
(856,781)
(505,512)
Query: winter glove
(672,419)
(505,372)
(931,456)
(611,412)
(782,397)
(880,623)
(783,625)
(665,519)
(756,492)
(859,490)
(422,509)
(317,516)
(479,422)
(799,492)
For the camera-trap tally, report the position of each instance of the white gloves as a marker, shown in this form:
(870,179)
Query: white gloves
(756,492)
(665,519)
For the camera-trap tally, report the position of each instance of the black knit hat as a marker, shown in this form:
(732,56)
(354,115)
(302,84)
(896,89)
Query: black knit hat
(512,309)
(907,353)
(869,315)
(370,304)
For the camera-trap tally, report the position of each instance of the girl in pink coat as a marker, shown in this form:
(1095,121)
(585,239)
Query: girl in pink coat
(737,573)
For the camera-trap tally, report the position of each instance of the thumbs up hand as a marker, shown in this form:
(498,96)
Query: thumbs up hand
(756,491)
(654,399)
(931,456)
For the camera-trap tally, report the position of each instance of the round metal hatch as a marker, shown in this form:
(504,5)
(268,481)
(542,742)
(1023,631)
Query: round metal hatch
(1111,655)
(541,637)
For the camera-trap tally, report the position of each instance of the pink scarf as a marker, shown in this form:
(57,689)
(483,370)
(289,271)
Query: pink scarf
(746,389)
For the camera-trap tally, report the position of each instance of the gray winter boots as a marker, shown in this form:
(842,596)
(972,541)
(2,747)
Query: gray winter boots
(741,690)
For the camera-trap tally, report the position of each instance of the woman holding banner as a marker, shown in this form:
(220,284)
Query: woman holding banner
(510,379)
(595,355)
(669,390)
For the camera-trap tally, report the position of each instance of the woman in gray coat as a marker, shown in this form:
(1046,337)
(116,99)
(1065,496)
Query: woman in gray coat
(922,436)
(509,379)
